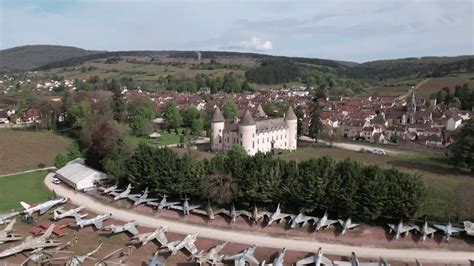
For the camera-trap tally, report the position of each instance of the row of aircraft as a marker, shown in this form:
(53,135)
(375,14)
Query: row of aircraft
(277,216)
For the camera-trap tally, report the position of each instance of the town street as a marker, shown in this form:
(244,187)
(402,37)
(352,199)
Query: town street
(263,240)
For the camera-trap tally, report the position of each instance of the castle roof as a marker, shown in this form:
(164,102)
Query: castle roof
(290,114)
(217,116)
(259,113)
(247,119)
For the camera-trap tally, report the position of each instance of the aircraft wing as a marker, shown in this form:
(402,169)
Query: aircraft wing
(44,210)
(393,227)
(98,224)
(352,225)
(406,228)
(326,261)
(192,207)
(203,212)
(307,260)
(152,203)
(252,259)
(329,222)
(115,193)
(245,213)
(133,230)
(234,257)
(456,229)
(176,207)
(191,247)
(162,239)
(133,197)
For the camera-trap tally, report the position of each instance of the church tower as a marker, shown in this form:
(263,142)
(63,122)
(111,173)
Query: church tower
(412,105)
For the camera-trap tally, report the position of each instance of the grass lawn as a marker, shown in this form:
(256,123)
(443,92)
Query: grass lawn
(165,139)
(23,149)
(450,193)
(24,187)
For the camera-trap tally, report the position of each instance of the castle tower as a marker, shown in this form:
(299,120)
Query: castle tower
(292,123)
(259,113)
(217,130)
(247,130)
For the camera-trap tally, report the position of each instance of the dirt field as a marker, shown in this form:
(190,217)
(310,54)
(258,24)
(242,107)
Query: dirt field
(25,149)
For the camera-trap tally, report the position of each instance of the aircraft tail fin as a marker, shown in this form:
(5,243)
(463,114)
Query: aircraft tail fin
(25,205)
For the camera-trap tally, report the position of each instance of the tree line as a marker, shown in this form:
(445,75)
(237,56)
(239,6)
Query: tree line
(462,97)
(347,188)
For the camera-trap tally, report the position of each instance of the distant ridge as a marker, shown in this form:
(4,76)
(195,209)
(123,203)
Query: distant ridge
(28,57)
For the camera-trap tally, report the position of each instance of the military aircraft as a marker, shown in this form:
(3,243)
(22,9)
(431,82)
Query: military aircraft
(279,260)
(110,189)
(5,217)
(187,243)
(209,212)
(7,234)
(317,259)
(276,216)
(130,227)
(119,260)
(301,219)
(30,243)
(140,199)
(212,256)
(42,208)
(448,230)
(324,221)
(96,221)
(78,260)
(346,225)
(59,213)
(234,214)
(400,229)
(243,257)
(162,204)
(469,228)
(122,194)
(186,208)
(355,262)
(158,234)
(425,230)
(256,215)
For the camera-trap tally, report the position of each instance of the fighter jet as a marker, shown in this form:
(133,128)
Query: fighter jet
(96,221)
(234,214)
(279,260)
(130,227)
(469,228)
(140,199)
(301,219)
(116,260)
(187,243)
(355,262)
(346,225)
(276,216)
(30,243)
(42,207)
(78,260)
(7,234)
(317,259)
(5,217)
(400,229)
(59,213)
(186,208)
(158,234)
(162,204)
(212,256)
(256,215)
(209,212)
(448,230)
(243,257)
(110,189)
(122,194)
(425,230)
(324,221)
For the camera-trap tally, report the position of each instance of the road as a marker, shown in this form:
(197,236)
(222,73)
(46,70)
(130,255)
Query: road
(352,146)
(263,240)
(30,171)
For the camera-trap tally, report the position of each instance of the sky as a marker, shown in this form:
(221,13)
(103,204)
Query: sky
(352,30)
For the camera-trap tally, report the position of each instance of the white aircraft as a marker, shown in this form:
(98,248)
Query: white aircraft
(400,229)
(5,217)
(96,221)
(186,208)
(279,260)
(7,234)
(123,194)
(162,204)
(324,221)
(276,216)
(243,257)
(346,225)
(425,230)
(158,234)
(110,189)
(78,260)
(448,230)
(60,213)
(355,262)
(234,214)
(469,228)
(140,199)
(187,243)
(30,243)
(42,208)
(130,227)
(212,256)
(317,259)
(301,219)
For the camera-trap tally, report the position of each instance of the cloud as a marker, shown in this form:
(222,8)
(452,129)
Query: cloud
(254,44)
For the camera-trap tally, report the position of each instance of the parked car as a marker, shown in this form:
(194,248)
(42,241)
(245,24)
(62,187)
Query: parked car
(56,181)
(378,151)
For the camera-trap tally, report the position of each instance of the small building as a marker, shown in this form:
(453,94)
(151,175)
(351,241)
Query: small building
(453,122)
(79,176)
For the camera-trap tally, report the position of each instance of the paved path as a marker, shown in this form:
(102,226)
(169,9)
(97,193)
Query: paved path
(263,240)
(30,171)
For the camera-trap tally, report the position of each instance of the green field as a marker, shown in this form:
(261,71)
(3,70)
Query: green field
(23,187)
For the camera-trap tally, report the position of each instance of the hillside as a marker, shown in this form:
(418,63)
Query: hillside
(32,56)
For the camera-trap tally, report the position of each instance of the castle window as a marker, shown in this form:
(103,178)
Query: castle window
(253,144)
(220,130)
(220,139)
